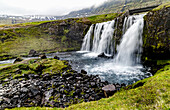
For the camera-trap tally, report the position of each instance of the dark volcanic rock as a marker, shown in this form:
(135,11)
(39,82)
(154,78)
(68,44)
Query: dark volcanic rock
(156,35)
(83,72)
(51,89)
(102,55)
(43,56)
(56,57)
(32,53)
(18,60)
(109,90)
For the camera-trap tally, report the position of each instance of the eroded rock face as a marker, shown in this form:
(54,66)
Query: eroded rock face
(69,33)
(156,34)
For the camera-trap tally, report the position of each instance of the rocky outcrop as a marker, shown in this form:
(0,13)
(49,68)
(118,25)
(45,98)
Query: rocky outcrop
(69,32)
(49,83)
(156,34)
(52,36)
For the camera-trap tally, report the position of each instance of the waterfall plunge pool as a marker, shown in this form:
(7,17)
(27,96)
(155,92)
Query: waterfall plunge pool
(105,68)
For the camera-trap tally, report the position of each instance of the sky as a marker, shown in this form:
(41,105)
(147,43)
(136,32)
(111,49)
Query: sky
(44,7)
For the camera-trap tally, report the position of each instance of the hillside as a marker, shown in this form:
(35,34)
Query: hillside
(49,82)
(46,36)
(115,6)
(110,6)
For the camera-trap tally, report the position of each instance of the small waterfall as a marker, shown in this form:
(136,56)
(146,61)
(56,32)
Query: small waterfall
(125,67)
(130,47)
(124,25)
(86,40)
(106,42)
(97,36)
(103,38)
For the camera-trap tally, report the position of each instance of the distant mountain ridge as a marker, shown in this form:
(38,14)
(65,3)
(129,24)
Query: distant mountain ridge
(110,6)
(114,6)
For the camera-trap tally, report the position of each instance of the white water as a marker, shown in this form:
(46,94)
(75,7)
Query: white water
(87,38)
(130,48)
(103,39)
(106,42)
(125,67)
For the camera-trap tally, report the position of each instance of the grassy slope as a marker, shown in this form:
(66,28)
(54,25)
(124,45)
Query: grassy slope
(30,67)
(154,94)
(20,41)
(30,36)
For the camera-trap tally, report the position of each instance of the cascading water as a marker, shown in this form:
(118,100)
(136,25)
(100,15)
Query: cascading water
(106,43)
(102,41)
(97,36)
(125,67)
(87,38)
(130,48)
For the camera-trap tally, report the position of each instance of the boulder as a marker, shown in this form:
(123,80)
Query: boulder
(109,90)
(18,60)
(43,56)
(103,55)
(56,57)
(32,53)
(83,72)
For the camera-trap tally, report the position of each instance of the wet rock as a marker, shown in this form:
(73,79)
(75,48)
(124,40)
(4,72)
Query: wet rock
(43,56)
(56,57)
(83,72)
(42,90)
(18,60)
(46,76)
(32,53)
(109,90)
(103,55)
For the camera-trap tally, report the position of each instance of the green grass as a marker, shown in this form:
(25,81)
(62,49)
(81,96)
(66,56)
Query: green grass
(103,17)
(31,67)
(25,24)
(167,4)
(1,65)
(36,108)
(20,41)
(152,94)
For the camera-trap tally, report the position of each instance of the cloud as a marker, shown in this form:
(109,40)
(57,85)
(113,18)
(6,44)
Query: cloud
(44,7)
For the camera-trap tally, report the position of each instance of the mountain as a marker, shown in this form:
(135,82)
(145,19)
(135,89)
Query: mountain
(11,19)
(110,6)
(114,6)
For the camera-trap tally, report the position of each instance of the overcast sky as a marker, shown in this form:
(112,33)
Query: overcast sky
(44,7)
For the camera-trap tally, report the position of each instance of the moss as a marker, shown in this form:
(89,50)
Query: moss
(103,18)
(66,31)
(150,93)
(63,39)
(44,66)
(162,6)
(17,76)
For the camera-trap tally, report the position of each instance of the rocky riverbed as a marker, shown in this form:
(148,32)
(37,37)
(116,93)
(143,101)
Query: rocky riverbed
(49,83)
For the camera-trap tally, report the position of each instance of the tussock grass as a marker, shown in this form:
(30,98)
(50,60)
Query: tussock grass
(154,94)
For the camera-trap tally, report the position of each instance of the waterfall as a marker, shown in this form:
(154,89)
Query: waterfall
(130,48)
(124,25)
(103,38)
(86,40)
(105,43)
(97,36)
